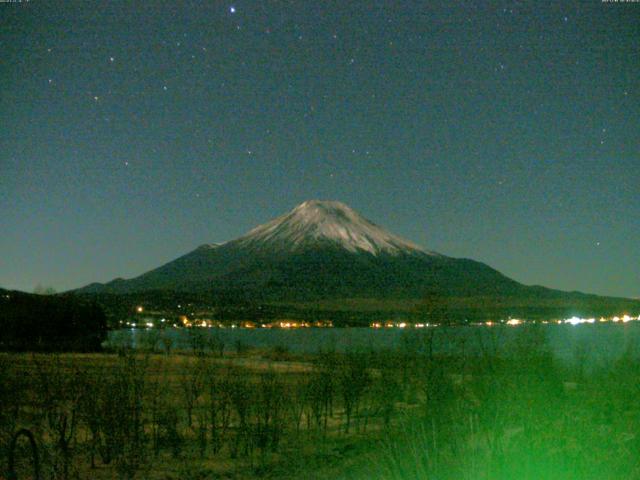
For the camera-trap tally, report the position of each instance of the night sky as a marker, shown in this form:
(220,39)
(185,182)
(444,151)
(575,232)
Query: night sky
(507,132)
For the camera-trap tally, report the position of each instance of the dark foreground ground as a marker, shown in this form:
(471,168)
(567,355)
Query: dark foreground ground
(512,412)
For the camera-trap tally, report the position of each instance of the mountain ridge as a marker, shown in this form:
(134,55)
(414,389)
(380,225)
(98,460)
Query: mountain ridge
(325,251)
(323,239)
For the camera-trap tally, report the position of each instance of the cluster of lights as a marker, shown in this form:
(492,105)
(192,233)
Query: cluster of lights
(287,324)
(511,321)
(572,321)
(298,324)
(184,321)
(292,324)
(578,321)
(401,325)
(623,319)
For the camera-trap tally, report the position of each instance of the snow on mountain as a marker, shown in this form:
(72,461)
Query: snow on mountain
(316,221)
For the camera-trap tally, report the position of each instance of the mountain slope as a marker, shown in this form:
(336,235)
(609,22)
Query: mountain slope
(319,249)
(314,222)
(325,252)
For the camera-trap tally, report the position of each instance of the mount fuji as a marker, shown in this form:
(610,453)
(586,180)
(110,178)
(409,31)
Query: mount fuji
(323,251)
(320,248)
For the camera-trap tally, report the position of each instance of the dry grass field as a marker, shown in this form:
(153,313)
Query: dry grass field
(511,412)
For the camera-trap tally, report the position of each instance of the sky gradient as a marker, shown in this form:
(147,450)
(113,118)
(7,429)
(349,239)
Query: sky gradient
(506,132)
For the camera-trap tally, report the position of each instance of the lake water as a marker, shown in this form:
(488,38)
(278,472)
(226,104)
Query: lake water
(594,342)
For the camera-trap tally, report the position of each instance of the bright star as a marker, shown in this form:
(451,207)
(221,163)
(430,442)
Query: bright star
(232,9)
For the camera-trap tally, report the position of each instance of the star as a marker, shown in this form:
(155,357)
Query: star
(111,59)
(96,98)
(232,9)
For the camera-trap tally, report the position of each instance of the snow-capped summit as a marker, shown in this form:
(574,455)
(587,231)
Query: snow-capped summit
(316,221)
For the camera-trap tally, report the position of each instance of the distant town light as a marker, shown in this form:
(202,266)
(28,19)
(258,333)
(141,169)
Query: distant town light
(574,321)
(578,320)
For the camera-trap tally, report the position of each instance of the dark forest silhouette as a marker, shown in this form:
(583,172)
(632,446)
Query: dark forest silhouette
(49,323)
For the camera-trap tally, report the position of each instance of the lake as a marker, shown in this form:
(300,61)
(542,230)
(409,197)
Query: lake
(595,343)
